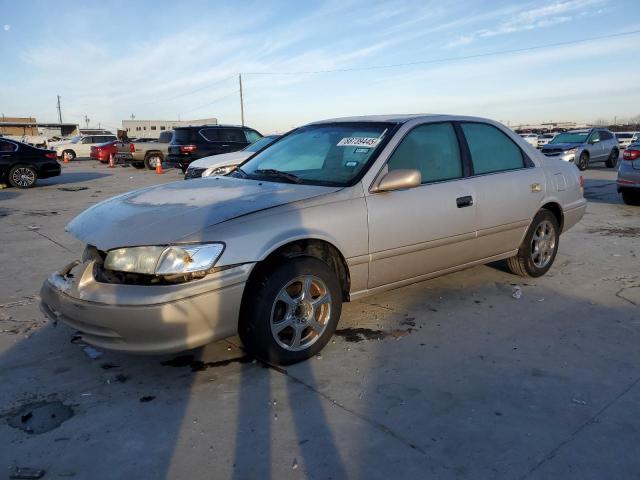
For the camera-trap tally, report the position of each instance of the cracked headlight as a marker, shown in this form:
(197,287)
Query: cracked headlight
(212,171)
(171,260)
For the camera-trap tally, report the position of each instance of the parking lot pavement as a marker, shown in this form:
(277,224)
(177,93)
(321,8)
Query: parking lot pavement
(448,378)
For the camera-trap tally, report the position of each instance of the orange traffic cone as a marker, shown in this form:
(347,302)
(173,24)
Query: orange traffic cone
(65,157)
(111,162)
(159,168)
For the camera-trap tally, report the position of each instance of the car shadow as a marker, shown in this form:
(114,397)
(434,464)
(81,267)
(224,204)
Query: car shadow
(71,177)
(601,191)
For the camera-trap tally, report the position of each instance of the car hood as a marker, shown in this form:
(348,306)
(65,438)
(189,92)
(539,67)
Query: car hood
(563,146)
(221,160)
(165,214)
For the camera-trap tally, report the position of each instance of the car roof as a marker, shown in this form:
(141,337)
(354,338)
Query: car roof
(212,125)
(402,118)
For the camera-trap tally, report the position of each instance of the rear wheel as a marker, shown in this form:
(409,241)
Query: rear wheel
(69,154)
(539,248)
(151,160)
(631,198)
(290,311)
(583,161)
(612,161)
(22,176)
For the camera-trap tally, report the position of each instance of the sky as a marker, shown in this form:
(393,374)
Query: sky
(181,60)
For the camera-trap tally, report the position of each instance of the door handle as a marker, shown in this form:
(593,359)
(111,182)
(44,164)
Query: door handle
(465,201)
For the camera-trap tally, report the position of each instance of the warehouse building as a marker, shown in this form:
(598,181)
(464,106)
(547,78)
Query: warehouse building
(152,128)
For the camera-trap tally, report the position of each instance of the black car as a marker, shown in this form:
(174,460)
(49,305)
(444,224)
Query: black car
(21,164)
(194,142)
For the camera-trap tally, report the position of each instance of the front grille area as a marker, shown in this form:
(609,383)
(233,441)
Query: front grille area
(552,152)
(194,173)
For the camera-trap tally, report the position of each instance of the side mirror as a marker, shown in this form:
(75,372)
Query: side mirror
(595,140)
(399,180)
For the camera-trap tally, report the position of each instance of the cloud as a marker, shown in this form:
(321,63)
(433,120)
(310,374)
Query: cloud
(6,27)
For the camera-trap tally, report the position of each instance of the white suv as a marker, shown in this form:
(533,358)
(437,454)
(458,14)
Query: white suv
(80,145)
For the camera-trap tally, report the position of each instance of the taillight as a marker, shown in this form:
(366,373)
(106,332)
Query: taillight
(51,155)
(132,148)
(631,155)
(188,148)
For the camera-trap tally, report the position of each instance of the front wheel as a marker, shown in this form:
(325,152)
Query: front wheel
(22,176)
(152,160)
(290,311)
(612,161)
(583,161)
(539,248)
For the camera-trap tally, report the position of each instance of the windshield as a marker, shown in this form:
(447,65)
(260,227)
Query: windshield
(76,139)
(570,137)
(322,154)
(260,144)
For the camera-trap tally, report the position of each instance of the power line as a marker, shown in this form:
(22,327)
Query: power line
(223,97)
(451,59)
(217,82)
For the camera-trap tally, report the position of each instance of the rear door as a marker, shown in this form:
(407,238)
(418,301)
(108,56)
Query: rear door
(232,139)
(508,187)
(8,155)
(428,228)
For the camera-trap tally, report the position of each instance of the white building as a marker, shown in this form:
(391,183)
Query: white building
(152,128)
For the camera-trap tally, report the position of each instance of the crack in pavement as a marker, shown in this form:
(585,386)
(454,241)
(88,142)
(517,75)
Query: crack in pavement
(554,451)
(52,240)
(618,294)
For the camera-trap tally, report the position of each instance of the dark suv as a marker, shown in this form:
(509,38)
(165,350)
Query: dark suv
(194,142)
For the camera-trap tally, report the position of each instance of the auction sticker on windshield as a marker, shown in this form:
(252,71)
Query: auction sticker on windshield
(358,142)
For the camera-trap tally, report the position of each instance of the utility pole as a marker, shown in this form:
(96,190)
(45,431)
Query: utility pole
(59,111)
(86,120)
(241,100)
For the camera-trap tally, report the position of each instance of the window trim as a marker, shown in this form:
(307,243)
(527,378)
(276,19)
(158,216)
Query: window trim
(16,145)
(526,160)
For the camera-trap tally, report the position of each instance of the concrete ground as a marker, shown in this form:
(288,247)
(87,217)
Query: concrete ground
(448,378)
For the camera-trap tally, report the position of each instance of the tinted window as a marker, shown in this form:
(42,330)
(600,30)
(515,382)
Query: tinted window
(165,137)
(604,135)
(624,135)
(7,146)
(211,134)
(432,149)
(252,135)
(491,150)
(182,135)
(232,135)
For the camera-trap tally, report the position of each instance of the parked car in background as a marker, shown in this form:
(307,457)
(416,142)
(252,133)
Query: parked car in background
(225,162)
(103,151)
(21,165)
(195,142)
(625,138)
(331,212)
(545,138)
(531,139)
(80,145)
(584,147)
(636,138)
(628,180)
(144,152)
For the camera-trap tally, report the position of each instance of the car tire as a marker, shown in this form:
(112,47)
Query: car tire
(22,176)
(139,165)
(631,198)
(583,161)
(539,247)
(612,161)
(151,159)
(71,155)
(290,310)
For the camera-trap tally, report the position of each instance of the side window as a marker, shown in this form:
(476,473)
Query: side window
(432,149)
(165,137)
(211,134)
(7,146)
(491,150)
(595,137)
(87,140)
(252,135)
(232,135)
(604,135)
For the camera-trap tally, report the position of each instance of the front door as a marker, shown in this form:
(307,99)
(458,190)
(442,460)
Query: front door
(428,228)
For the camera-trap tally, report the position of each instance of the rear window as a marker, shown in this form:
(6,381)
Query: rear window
(165,137)
(624,135)
(211,134)
(183,135)
(232,135)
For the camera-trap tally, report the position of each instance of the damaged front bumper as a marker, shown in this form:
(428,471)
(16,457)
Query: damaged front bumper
(148,319)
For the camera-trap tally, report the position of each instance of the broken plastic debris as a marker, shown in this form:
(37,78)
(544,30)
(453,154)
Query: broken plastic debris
(92,352)
(578,401)
(294,465)
(517,292)
(33,227)
(25,473)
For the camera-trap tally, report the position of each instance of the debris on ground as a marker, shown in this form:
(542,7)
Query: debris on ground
(516,292)
(33,227)
(294,465)
(578,401)
(92,352)
(25,473)
(40,417)
(361,334)
(72,189)
(147,398)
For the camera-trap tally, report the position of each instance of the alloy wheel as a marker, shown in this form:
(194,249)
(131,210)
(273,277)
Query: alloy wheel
(543,244)
(301,312)
(23,177)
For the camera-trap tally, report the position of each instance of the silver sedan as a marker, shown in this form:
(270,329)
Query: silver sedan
(330,212)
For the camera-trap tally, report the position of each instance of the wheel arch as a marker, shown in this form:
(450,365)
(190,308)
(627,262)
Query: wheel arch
(556,209)
(321,249)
